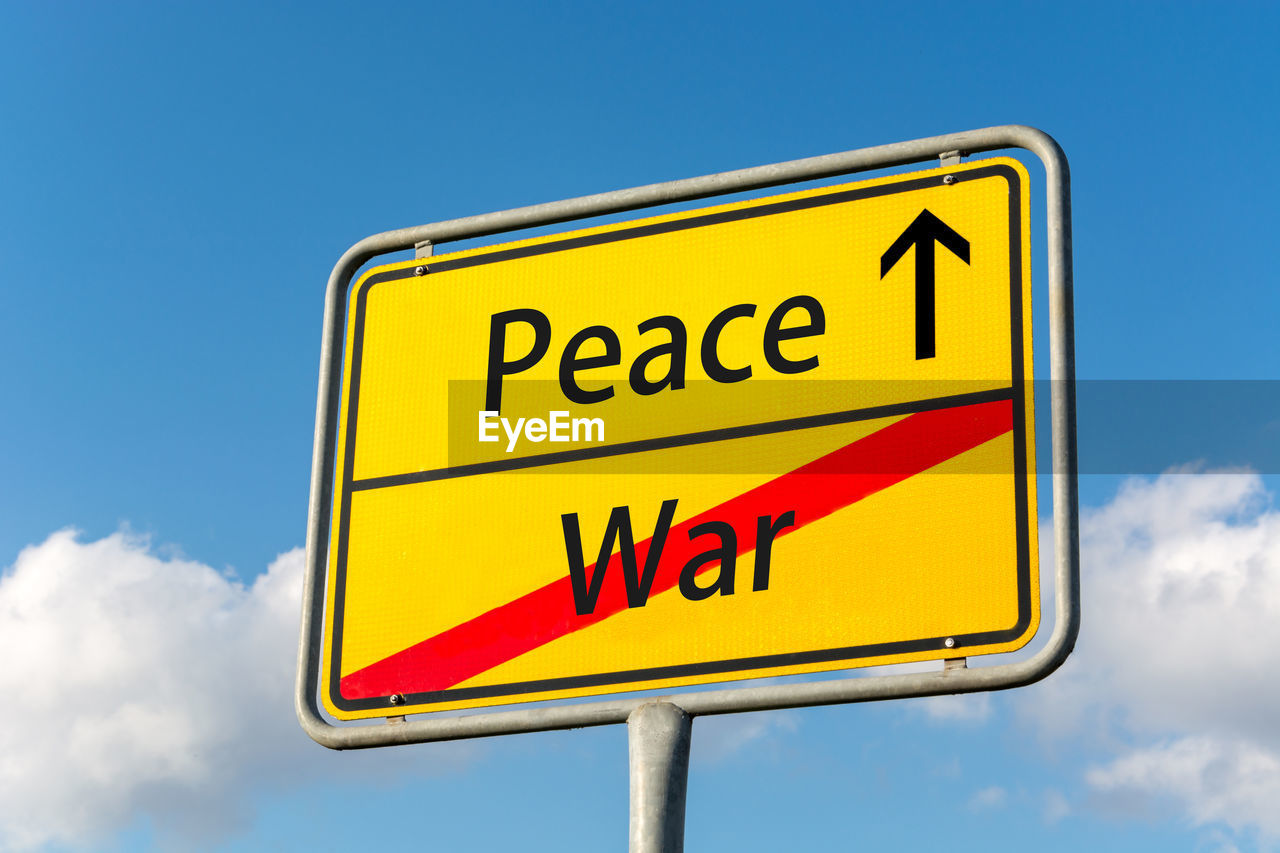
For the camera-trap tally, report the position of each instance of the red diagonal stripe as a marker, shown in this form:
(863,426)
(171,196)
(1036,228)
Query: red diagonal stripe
(814,491)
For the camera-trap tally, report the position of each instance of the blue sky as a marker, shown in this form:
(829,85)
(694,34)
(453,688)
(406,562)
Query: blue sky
(176,182)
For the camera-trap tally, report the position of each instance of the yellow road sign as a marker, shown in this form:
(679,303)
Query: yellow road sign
(785,435)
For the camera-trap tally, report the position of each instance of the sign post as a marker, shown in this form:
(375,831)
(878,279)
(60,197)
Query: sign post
(786,435)
(658,736)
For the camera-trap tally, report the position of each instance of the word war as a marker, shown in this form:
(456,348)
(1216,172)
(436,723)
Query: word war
(639,585)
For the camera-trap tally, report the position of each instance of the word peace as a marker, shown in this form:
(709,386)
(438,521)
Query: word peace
(674,348)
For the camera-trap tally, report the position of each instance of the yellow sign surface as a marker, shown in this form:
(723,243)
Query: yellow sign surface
(784,435)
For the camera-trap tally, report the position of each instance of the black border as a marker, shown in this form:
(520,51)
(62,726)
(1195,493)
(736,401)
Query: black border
(1017,393)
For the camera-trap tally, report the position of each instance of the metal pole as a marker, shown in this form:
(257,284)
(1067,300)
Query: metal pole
(658,739)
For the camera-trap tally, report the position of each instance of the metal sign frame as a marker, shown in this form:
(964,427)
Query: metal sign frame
(431,727)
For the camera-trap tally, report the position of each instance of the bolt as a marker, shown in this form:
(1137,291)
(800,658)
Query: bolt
(949,642)
(420,270)
(948,179)
(397,699)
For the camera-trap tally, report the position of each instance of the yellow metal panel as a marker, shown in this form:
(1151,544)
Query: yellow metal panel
(441,539)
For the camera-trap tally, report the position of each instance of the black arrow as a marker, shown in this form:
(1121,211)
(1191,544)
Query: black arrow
(925,230)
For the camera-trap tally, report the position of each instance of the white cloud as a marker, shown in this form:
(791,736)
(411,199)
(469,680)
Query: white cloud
(956,708)
(988,799)
(1220,843)
(140,687)
(949,769)
(1172,682)
(717,737)
(1056,806)
(1211,779)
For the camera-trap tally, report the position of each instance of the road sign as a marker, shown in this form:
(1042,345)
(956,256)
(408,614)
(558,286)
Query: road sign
(784,435)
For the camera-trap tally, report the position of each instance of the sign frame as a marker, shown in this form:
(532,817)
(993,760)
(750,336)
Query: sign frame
(951,679)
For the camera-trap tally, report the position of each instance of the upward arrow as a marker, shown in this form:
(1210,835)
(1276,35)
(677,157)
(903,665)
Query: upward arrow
(925,230)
